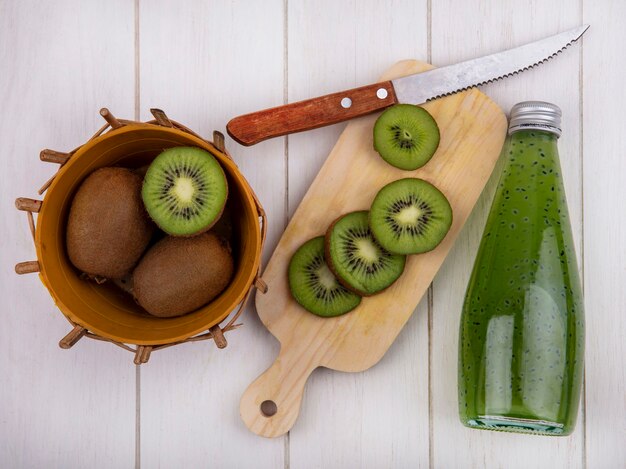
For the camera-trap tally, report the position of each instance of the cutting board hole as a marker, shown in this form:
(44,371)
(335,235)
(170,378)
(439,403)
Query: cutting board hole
(268,408)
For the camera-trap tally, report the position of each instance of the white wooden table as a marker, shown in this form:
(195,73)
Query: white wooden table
(204,62)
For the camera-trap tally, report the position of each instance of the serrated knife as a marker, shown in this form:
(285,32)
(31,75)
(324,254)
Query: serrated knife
(413,89)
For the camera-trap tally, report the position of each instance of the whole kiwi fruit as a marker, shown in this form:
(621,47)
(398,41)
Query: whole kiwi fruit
(108,228)
(179,275)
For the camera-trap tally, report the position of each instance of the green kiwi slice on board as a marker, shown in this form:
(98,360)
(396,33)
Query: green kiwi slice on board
(406,136)
(184,191)
(314,286)
(410,216)
(360,263)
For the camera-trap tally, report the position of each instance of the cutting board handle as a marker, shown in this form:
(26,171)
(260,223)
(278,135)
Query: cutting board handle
(271,404)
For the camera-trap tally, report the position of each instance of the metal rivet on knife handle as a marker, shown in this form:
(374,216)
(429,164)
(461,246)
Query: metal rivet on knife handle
(346,103)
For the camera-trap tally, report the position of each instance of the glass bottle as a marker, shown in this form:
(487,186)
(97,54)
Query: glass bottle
(522,326)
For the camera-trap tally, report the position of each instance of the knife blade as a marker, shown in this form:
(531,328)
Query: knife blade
(413,89)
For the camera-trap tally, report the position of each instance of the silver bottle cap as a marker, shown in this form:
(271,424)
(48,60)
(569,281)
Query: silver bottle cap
(535,115)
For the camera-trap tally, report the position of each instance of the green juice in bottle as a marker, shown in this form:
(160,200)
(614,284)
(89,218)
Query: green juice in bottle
(522,326)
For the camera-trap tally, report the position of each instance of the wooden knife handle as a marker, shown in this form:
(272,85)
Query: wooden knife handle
(311,113)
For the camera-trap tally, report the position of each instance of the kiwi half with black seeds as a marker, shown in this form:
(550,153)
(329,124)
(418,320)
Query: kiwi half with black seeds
(360,263)
(410,216)
(314,286)
(406,136)
(185,191)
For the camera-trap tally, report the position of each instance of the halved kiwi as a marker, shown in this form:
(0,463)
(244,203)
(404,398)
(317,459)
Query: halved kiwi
(410,216)
(314,286)
(406,136)
(360,263)
(185,191)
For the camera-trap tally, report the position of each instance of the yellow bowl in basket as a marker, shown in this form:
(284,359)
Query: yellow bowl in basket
(104,309)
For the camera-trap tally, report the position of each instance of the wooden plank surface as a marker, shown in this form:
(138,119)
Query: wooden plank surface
(61,61)
(604,102)
(226,58)
(59,408)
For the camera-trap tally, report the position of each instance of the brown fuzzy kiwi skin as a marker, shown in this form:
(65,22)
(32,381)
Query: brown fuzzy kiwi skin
(179,275)
(125,283)
(108,228)
(331,266)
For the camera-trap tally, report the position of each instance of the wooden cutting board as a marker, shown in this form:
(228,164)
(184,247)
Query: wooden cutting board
(472,130)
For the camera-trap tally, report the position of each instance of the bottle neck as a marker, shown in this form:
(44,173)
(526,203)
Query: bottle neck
(530,134)
(530,145)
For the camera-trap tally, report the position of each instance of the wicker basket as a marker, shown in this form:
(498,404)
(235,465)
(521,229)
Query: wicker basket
(102,311)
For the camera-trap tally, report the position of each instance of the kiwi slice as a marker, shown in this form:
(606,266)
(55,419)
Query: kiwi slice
(360,263)
(410,216)
(314,286)
(185,191)
(406,136)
